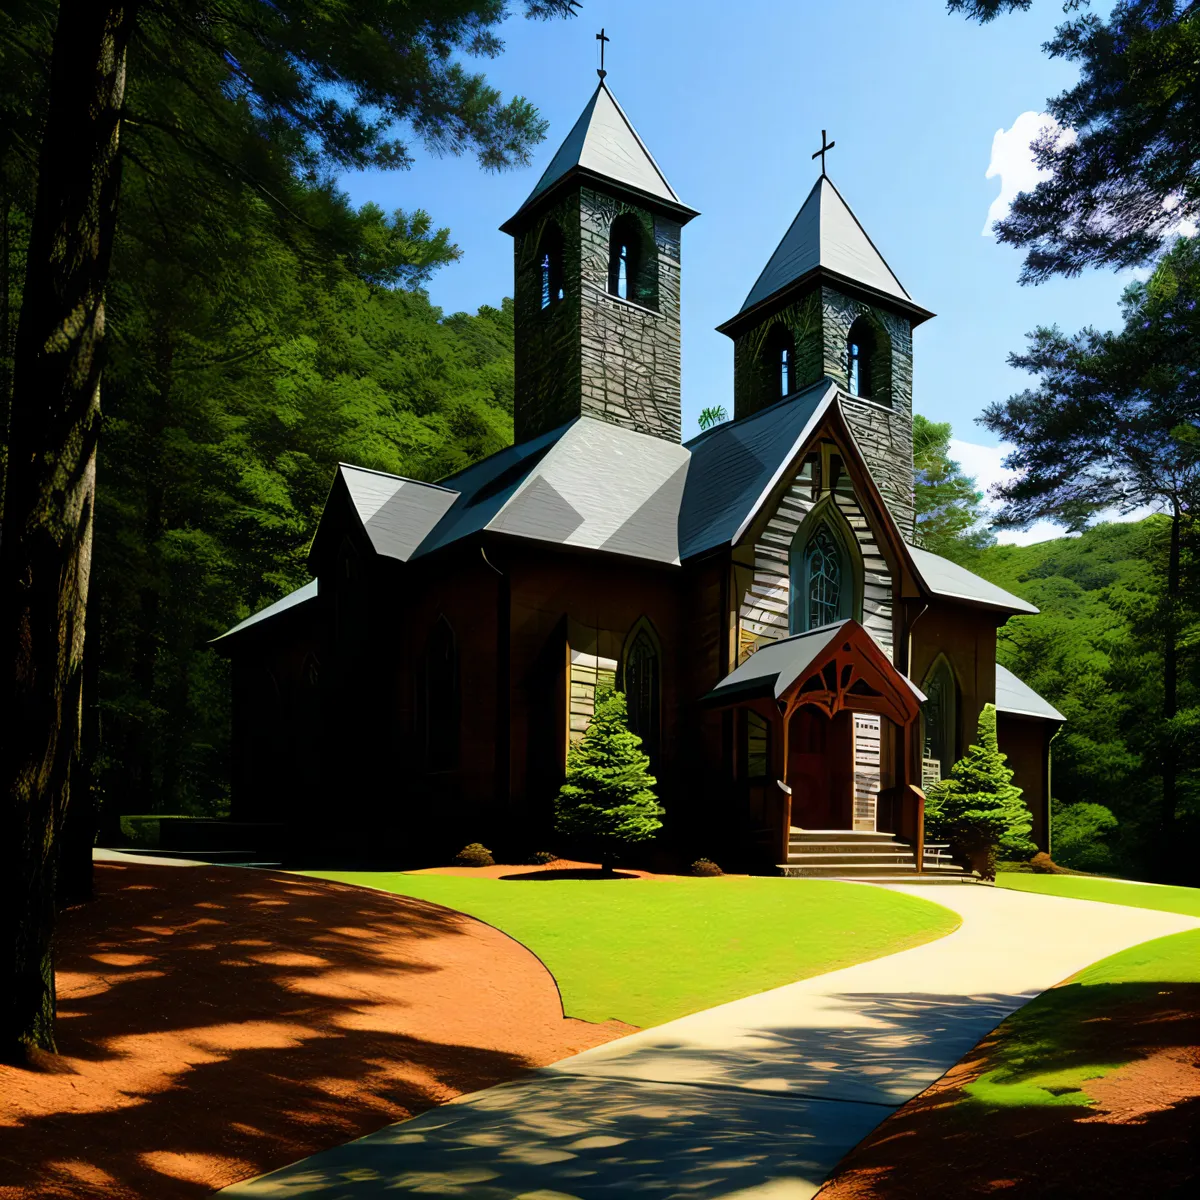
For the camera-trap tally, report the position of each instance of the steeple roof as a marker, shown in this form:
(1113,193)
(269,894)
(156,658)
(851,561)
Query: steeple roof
(826,239)
(604,145)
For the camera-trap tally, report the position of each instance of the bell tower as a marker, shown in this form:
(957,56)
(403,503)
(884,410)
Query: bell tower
(828,305)
(597,283)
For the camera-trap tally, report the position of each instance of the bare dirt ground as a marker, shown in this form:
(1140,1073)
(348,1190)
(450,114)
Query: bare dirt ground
(217,1023)
(1140,1137)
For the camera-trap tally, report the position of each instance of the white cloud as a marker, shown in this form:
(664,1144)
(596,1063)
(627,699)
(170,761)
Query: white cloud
(1012,161)
(985,464)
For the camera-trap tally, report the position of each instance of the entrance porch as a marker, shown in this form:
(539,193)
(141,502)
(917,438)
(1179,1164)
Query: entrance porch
(827,750)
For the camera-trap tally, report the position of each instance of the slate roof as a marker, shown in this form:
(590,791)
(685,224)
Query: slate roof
(735,464)
(826,238)
(603,143)
(396,513)
(945,578)
(1018,699)
(775,666)
(302,595)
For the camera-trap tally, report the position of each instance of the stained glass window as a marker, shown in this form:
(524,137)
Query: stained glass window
(642,690)
(939,712)
(824,571)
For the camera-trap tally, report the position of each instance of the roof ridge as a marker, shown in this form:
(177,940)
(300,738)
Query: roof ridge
(390,475)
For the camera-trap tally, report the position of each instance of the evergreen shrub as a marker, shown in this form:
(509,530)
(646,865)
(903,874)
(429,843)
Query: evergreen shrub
(541,857)
(608,803)
(979,810)
(474,855)
(706,868)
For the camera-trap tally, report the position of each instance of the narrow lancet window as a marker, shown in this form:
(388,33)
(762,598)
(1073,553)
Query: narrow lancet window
(779,361)
(550,265)
(624,262)
(823,567)
(860,359)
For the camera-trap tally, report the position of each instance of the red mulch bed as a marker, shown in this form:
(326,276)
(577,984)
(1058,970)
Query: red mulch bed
(1140,1139)
(218,1023)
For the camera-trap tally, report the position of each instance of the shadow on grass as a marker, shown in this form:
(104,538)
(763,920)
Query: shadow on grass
(1131,1131)
(219,1015)
(572,873)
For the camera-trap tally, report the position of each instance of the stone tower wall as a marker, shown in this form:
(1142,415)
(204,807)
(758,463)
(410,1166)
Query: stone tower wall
(631,351)
(547,354)
(820,327)
(592,353)
(882,426)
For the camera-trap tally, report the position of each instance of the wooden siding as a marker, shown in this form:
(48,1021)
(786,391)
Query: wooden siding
(588,671)
(763,616)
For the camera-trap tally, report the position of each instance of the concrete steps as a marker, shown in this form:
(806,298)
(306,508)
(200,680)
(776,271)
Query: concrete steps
(868,857)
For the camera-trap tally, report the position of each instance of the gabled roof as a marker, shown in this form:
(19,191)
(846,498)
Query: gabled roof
(944,578)
(588,484)
(603,144)
(302,595)
(1020,700)
(826,239)
(396,513)
(737,463)
(776,666)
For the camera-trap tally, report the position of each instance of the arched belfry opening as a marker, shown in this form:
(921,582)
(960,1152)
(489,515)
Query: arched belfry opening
(550,265)
(631,274)
(778,363)
(868,361)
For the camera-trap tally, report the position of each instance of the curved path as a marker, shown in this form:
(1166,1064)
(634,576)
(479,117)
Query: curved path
(758,1098)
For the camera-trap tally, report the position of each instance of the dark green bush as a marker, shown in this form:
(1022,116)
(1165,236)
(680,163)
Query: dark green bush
(541,857)
(474,855)
(706,868)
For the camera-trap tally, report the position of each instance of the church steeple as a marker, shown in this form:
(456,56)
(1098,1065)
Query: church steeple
(828,304)
(596,248)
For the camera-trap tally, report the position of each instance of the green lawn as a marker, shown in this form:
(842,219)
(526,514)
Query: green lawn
(1047,1051)
(647,951)
(1110,891)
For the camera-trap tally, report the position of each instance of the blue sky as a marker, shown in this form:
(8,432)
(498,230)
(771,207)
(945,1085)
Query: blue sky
(731,100)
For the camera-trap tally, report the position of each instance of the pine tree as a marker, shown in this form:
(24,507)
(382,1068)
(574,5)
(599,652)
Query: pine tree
(608,802)
(978,809)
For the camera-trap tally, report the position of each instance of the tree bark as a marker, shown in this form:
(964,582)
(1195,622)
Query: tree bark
(46,535)
(1170,753)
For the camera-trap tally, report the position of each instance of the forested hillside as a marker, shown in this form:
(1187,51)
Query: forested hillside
(1095,653)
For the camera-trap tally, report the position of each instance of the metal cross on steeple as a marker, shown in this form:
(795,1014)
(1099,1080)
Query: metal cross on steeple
(821,153)
(601,38)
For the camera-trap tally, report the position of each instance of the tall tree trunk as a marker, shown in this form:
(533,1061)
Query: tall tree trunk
(1170,754)
(46,536)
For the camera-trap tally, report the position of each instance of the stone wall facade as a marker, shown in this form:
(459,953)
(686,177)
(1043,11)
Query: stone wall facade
(819,324)
(592,353)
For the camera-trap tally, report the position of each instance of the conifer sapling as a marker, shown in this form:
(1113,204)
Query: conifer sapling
(978,809)
(608,803)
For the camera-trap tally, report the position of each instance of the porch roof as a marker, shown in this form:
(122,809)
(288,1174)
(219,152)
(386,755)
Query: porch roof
(772,671)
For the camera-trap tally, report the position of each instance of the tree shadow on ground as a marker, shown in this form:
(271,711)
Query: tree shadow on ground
(572,873)
(219,1023)
(1138,1137)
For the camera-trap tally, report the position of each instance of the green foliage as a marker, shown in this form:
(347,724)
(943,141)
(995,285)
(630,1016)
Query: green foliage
(713,415)
(979,810)
(1096,654)
(949,508)
(608,801)
(1118,189)
(1079,836)
(475,855)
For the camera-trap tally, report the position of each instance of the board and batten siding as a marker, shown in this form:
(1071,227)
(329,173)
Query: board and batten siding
(587,672)
(763,615)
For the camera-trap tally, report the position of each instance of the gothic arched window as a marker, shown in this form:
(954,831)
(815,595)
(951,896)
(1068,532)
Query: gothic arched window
(779,361)
(861,358)
(625,258)
(440,707)
(939,716)
(550,265)
(643,687)
(824,580)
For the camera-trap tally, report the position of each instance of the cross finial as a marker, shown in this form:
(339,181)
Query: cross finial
(601,38)
(821,153)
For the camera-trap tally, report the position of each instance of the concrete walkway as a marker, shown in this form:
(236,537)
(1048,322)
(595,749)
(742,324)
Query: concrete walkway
(758,1098)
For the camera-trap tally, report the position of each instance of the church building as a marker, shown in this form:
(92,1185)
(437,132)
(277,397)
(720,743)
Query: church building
(795,664)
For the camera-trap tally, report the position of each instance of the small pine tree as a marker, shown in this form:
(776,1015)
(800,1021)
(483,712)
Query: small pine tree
(608,802)
(979,810)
